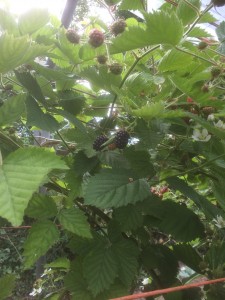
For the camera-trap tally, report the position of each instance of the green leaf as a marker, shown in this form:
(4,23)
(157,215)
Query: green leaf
(36,117)
(71,101)
(220,31)
(83,164)
(15,51)
(7,284)
(215,257)
(33,20)
(140,162)
(114,159)
(111,188)
(164,28)
(129,217)
(100,269)
(175,219)
(162,258)
(188,255)
(175,60)
(188,13)
(134,4)
(76,283)
(127,254)
(199,32)
(8,22)
(12,109)
(30,83)
(150,111)
(41,206)
(60,262)
(42,236)
(22,172)
(74,220)
(210,210)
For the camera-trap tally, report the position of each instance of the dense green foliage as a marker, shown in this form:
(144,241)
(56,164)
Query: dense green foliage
(148,200)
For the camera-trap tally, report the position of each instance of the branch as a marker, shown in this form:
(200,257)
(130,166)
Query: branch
(68,12)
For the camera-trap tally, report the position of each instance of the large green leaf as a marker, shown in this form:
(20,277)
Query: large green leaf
(188,255)
(20,175)
(30,83)
(7,284)
(74,220)
(100,269)
(174,219)
(215,257)
(129,217)
(12,109)
(164,28)
(210,210)
(8,22)
(42,236)
(162,258)
(41,206)
(127,254)
(175,60)
(111,188)
(134,4)
(15,51)
(33,20)
(76,283)
(36,117)
(188,12)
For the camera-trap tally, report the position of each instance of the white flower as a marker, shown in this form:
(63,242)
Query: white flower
(211,117)
(220,124)
(219,222)
(145,281)
(201,135)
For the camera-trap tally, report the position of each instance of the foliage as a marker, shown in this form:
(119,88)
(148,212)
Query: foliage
(118,215)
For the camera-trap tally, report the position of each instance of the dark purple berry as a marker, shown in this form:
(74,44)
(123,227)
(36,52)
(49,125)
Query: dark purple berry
(100,140)
(118,27)
(121,139)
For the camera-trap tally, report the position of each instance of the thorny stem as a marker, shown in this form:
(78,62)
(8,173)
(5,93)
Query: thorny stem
(198,18)
(128,74)
(64,142)
(195,168)
(84,92)
(195,55)
(192,6)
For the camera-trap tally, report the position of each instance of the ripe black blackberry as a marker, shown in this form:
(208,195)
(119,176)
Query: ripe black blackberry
(102,59)
(116,68)
(100,140)
(121,139)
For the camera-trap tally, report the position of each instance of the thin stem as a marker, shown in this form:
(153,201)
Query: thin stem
(198,18)
(128,74)
(195,168)
(20,257)
(192,6)
(87,93)
(195,55)
(64,142)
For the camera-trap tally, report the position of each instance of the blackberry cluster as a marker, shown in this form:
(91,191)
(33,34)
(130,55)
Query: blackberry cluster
(72,36)
(121,139)
(100,140)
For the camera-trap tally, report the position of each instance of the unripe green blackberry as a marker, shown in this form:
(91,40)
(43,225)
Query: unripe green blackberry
(102,59)
(100,140)
(72,36)
(96,38)
(218,2)
(116,68)
(118,27)
(215,72)
(202,45)
(121,139)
